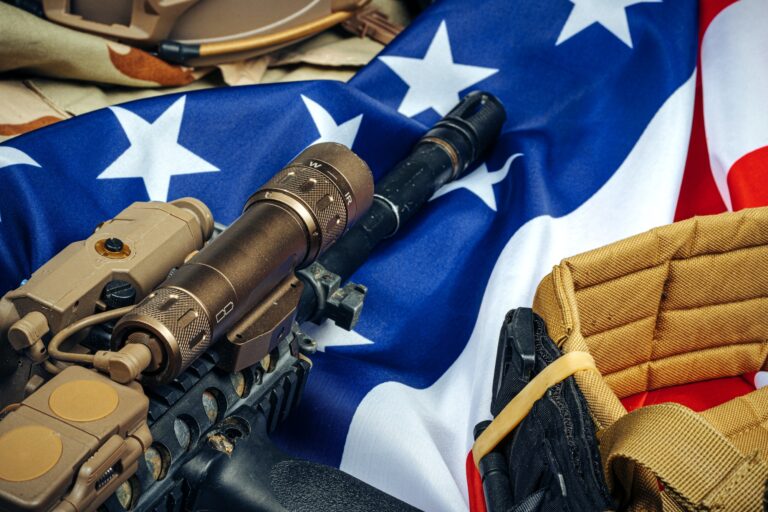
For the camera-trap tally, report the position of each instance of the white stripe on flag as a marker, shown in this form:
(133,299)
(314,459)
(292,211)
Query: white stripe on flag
(413,443)
(734,79)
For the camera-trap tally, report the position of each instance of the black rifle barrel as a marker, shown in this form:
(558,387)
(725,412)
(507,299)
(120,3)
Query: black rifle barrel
(442,155)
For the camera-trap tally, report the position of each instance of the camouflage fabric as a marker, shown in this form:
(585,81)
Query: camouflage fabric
(49,72)
(23,110)
(37,46)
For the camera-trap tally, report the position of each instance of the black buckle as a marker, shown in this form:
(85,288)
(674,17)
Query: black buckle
(517,348)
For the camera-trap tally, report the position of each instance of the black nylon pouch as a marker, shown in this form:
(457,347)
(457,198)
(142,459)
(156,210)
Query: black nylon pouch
(551,460)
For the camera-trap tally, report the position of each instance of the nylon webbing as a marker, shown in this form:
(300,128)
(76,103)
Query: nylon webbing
(519,407)
(698,466)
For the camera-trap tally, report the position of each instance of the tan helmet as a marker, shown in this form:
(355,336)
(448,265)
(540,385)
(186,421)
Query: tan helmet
(199,32)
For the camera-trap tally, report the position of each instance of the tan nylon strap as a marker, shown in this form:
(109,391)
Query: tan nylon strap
(744,421)
(519,407)
(698,466)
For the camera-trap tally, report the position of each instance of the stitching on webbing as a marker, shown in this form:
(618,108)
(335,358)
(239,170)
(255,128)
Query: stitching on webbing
(733,481)
(716,304)
(646,317)
(756,423)
(732,343)
(692,308)
(746,430)
(681,354)
(663,296)
(619,276)
(739,249)
(763,244)
(562,299)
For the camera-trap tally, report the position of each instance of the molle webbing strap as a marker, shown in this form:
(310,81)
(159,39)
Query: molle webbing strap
(519,407)
(698,466)
(744,421)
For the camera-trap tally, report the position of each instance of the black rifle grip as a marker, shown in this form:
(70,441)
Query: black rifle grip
(257,476)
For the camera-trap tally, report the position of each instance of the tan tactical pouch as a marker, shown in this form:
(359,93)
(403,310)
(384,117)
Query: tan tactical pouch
(678,304)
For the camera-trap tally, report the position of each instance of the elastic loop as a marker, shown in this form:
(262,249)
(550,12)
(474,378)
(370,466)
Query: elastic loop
(519,407)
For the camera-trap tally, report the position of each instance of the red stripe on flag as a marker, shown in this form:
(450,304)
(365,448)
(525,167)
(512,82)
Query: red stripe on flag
(698,193)
(475,487)
(698,396)
(748,180)
(708,11)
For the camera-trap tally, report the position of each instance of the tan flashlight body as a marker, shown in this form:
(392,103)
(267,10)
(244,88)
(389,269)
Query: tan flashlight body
(292,219)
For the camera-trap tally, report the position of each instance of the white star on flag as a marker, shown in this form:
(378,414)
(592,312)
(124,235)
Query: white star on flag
(11,156)
(435,80)
(328,334)
(155,153)
(480,182)
(611,14)
(343,133)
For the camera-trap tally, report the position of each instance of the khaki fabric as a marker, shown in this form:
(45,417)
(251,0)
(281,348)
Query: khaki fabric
(34,45)
(678,304)
(52,72)
(699,468)
(555,303)
(22,109)
(744,420)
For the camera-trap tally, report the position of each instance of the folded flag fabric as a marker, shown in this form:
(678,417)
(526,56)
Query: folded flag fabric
(622,115)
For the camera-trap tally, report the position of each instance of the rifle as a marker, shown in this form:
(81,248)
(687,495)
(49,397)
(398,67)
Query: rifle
(201,342)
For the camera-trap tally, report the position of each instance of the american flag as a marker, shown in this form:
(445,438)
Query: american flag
(622,115)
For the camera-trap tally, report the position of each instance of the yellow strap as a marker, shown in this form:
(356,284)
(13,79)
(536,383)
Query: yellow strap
(519,407)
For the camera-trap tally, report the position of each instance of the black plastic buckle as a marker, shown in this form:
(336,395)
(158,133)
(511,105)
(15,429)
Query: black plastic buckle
(517,348)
